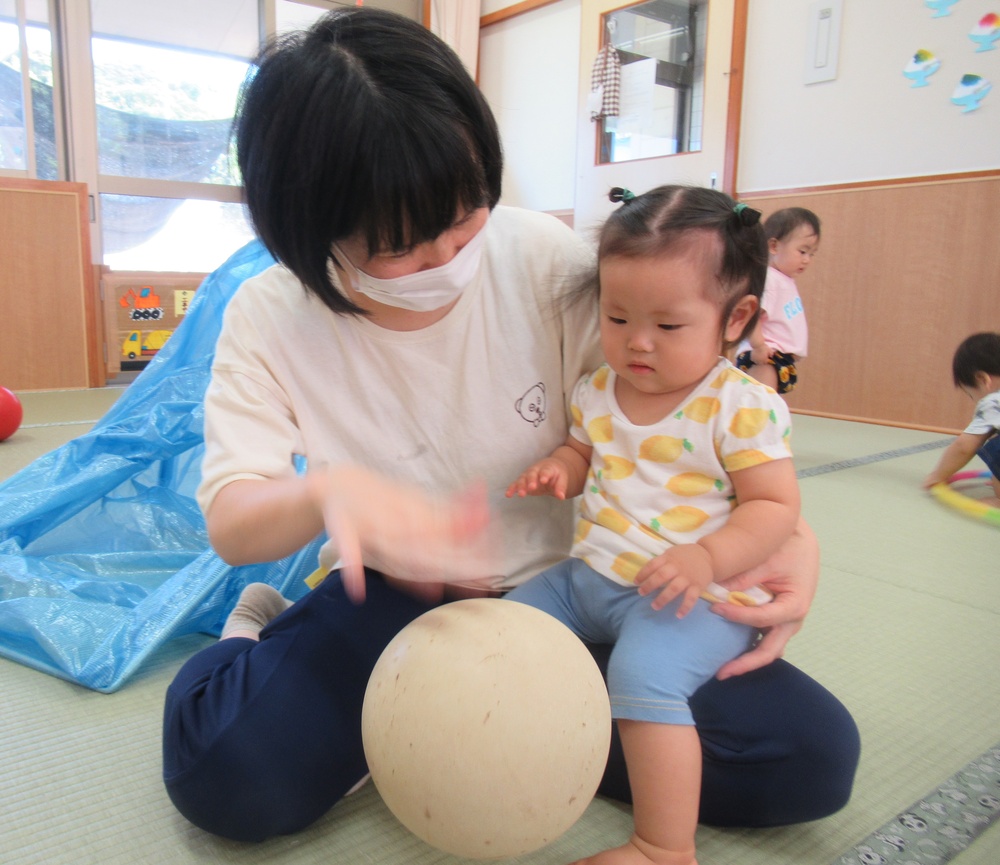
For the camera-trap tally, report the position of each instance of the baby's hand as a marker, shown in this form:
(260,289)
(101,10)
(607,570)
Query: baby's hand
(548,477)
(685,570)
(761,356)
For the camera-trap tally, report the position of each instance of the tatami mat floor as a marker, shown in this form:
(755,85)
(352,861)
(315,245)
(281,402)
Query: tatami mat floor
(904,630)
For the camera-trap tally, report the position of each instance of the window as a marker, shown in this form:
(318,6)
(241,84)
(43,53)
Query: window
(165,112)
(156,96)
(164,96)
(27,116)
(661,47)
(290,15)
(135,98)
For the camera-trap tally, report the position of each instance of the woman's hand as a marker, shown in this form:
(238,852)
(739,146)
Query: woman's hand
(791,575)
(402,532)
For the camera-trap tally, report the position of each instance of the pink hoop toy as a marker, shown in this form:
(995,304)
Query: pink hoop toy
(946,494)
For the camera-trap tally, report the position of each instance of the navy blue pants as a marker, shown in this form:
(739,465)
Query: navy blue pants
(262,738)
(989,453)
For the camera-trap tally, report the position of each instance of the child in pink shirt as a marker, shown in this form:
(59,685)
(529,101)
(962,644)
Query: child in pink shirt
(781,335)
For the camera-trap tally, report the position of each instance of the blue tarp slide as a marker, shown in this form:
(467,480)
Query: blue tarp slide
(103,551)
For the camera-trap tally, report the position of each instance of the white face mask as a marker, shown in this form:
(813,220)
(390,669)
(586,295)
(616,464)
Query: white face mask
(425,290)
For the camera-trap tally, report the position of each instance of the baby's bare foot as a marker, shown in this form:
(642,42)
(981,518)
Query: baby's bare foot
(638,852)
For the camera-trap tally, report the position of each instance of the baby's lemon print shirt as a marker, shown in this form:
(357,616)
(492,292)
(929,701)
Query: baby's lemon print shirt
(668,483)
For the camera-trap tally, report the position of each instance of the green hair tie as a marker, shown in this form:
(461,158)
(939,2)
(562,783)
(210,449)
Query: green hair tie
(746,215)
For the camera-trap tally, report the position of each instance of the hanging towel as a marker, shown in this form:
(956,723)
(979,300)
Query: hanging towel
(605,84)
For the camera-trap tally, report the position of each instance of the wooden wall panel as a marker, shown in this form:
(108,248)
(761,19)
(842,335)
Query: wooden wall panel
(49,321)
(904,273)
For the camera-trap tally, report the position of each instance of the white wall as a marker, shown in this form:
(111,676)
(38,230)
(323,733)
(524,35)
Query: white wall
(528,73)
(868,124)
(487,7)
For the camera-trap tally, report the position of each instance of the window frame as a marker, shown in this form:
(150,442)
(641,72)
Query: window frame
(75,113)
(30,171)
(79,109)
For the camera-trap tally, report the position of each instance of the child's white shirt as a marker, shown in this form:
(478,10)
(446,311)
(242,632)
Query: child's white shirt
(653,486)
(987,416)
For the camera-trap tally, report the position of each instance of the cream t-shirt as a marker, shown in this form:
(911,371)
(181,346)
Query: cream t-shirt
(479,395)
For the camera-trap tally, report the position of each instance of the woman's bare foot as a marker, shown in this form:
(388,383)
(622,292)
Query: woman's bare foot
(638,852)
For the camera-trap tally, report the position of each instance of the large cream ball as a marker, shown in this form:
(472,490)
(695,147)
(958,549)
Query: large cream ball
(486,726)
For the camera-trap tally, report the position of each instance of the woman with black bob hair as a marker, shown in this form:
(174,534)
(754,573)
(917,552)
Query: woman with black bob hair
(414,344)
(382,133)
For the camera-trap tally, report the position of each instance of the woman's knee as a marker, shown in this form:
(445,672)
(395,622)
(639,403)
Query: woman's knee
(778,749)
(264,774)
(238,759)
(232,802)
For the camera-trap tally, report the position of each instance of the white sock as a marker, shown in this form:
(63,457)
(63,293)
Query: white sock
(257,605)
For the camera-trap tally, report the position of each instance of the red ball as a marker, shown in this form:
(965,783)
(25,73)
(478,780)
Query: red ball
(10,413)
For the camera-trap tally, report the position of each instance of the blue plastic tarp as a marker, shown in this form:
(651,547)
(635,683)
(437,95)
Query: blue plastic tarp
(104,555)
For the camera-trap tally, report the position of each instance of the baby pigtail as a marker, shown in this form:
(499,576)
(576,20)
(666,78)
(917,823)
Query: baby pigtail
(620,195)
(746,216)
